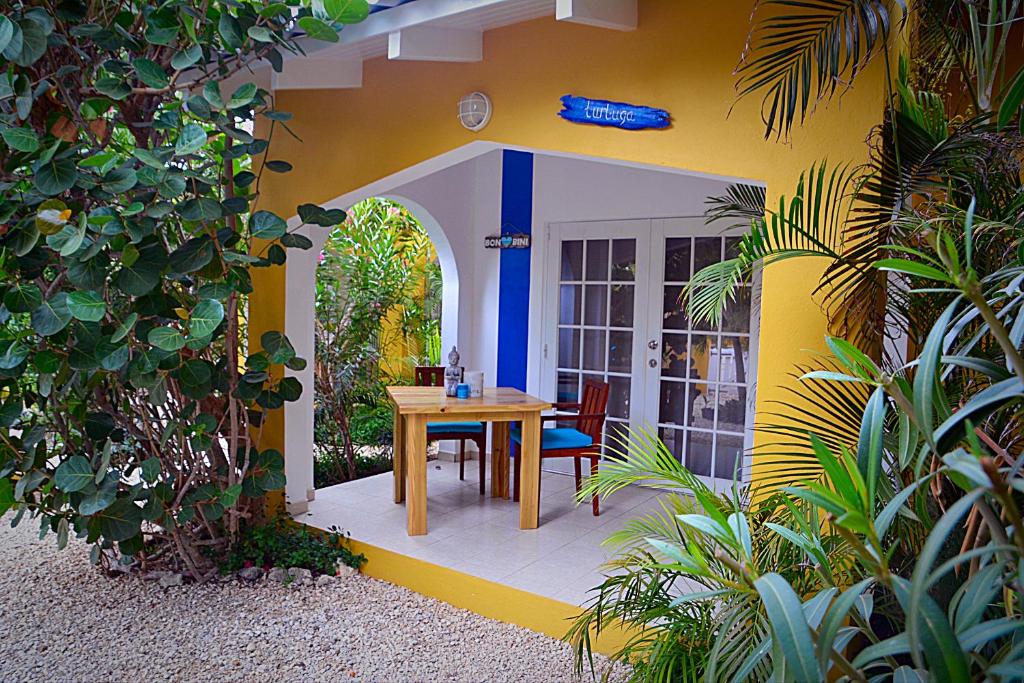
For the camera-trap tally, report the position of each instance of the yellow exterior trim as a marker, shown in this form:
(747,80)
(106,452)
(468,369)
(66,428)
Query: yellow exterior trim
(486,598)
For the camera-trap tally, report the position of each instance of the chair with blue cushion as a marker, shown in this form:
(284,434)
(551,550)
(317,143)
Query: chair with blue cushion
(583,440)
(428,376)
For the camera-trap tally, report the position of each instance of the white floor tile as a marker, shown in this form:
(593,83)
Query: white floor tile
(480,535)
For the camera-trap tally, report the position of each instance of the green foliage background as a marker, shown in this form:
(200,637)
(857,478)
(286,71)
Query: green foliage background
(129,227)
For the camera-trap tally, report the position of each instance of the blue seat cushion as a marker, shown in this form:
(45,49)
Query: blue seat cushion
(557,438)
(453,427)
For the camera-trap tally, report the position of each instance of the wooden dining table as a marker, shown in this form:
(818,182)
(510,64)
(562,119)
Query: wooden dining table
(414,407)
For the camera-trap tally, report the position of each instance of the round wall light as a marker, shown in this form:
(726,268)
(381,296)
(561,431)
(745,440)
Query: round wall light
(474,111)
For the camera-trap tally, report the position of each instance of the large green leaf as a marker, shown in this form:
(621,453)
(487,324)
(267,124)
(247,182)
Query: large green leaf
(52,315)
(229,30)
(121,520)
(266,225)
(979,407)
(32,46)
(195,373)
(55,176)
(166,338)
(869,447)
(74,474)
(789,626)
(190,140)
(88,306)
(1013,97)
(12,353)
(931,638)
(205,318)
(20,139)
(192,256)
(926,379)
(200,209)
(22,298)
(187,57)
(141,268)
(7,29)
(100,499)
(242,96)
(346,11)
(150,73)
(318,30)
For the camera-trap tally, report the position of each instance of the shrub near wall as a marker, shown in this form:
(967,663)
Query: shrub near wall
(131,406)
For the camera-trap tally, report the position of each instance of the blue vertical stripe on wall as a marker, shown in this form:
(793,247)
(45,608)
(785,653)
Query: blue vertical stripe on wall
(514,275)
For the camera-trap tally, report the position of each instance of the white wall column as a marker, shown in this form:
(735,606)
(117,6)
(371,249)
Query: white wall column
(300,287)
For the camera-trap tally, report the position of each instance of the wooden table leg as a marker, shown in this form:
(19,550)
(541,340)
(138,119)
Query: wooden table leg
(499,459)
(398,456)
(416,466)
(529,488)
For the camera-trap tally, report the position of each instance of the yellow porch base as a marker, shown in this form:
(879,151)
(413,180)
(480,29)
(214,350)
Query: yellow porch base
(483,597)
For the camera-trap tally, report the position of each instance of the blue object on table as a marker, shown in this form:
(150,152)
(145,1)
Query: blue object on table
(462,391)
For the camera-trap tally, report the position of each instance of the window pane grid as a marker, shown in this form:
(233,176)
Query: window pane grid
(704,370)
(598,288)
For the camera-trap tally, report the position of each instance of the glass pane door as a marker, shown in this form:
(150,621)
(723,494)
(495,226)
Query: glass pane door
(703,376)
(599,331)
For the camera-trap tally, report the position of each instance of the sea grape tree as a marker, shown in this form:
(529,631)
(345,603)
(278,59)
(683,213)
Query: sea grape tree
(130,399)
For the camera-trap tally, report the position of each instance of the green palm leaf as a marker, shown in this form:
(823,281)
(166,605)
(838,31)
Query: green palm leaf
(810,223)
(803,51)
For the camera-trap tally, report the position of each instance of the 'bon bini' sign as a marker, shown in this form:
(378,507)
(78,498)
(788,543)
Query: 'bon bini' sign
(615,114)
(516,240)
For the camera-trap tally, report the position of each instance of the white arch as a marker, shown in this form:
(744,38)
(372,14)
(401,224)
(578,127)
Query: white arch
(300,314)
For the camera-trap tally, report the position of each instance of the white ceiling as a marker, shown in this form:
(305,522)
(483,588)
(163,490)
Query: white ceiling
(369,39)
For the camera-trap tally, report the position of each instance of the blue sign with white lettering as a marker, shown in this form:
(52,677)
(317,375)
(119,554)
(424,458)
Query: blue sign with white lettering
(615,114)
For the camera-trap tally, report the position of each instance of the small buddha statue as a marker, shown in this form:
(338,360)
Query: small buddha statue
(452,374)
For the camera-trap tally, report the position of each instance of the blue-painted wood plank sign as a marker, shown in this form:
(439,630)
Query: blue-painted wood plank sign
(615,114)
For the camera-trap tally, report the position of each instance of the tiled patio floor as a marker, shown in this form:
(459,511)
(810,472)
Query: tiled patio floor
(480,535)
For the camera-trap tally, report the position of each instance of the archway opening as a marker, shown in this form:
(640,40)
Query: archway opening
(378,304)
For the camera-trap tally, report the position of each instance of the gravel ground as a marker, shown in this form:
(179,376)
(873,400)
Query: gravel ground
(62,621)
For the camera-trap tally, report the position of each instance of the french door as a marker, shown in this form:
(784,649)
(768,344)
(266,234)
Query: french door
(614,313)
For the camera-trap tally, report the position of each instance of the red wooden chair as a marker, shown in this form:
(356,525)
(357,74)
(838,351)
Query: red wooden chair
(583,441)
(428,376)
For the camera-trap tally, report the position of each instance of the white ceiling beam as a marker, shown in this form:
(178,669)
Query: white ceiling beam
(614,14)
(436,44)
(311,73)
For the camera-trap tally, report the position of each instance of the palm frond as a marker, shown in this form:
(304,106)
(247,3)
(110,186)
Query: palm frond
(667,642)
(739,206)
(832,411)
(942,43)
(640,458)
(915,160)
(810,223)
(803,51)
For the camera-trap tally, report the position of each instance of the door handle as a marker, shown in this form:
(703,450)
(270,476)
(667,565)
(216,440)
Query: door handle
(653,344)
(653,363)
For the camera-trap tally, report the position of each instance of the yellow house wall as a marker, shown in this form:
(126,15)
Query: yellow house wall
(681,58)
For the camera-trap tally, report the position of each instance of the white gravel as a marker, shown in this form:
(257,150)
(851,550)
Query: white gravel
(63,621)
